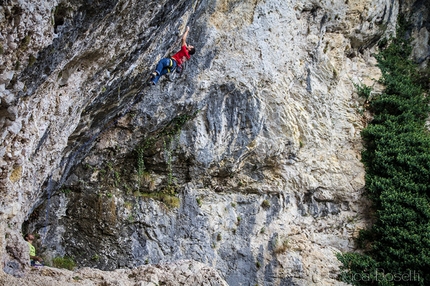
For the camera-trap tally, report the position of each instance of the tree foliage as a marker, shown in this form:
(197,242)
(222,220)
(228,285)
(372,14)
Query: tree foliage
(396,249)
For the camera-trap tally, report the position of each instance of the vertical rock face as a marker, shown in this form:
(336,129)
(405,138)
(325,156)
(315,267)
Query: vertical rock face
(248,161)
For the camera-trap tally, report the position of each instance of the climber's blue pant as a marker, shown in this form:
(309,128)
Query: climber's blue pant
(164,66)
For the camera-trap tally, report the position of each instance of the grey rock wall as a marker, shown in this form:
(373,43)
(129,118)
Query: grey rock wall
(247,162)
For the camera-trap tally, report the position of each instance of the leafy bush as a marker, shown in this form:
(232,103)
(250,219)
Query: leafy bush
(64,262)
(397,162)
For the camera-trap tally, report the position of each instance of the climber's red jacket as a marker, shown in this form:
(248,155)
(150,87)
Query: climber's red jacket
(181,56)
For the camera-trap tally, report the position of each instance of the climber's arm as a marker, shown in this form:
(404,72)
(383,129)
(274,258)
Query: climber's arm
(184,37)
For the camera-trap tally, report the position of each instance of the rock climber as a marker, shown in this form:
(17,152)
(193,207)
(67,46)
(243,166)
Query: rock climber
(34,260)
(167,65)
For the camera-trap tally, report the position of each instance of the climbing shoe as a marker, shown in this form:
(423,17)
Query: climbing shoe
(153,75)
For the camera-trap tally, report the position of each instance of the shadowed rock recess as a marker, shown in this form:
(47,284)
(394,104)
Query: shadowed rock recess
(244,169)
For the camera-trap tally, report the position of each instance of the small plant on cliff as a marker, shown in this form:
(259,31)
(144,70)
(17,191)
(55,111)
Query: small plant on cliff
(17,65)
(265,204)
(281,245)
(128,205)
(257,264)
(31,60)
(143,176)
(363,90)
(170,201)
(130,218)
(140,161)
(24,42)
(66,191)
(63,262)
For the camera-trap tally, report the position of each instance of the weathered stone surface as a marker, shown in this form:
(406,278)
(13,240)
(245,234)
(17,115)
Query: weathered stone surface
(259,137)
(185,272)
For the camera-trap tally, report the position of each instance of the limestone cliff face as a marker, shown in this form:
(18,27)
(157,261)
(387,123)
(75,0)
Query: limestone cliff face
(248,161)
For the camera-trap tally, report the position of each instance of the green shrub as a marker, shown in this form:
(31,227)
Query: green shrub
(171,201)
(64,262)
(397,161)
(363,90)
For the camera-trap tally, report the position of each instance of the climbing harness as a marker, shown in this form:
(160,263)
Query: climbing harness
(170,65)
(179,69)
